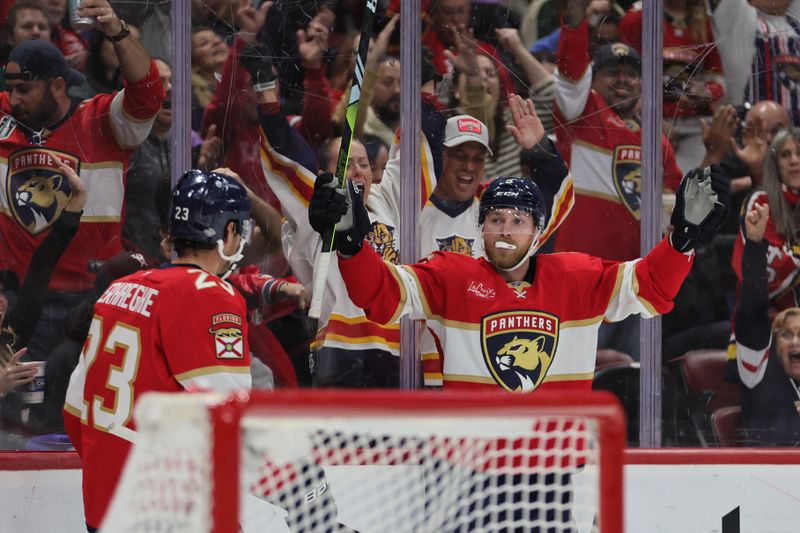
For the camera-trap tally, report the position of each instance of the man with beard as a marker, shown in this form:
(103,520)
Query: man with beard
(41,127)
(518,320)
(383,114)
(598,133)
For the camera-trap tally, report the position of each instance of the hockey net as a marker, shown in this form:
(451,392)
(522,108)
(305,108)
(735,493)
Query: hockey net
(323,461)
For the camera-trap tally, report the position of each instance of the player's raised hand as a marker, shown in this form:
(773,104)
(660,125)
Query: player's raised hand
(755,222)
(77,195)
(702,203)
(327,204)
(527,128)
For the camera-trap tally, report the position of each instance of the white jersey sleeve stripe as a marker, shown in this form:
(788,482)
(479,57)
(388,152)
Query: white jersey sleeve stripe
(129,132)
(752,364)
(220,381)
(625,300)
(571,96)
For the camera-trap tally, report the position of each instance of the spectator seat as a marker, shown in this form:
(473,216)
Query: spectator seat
(707,391)
(727,425)
(607,357)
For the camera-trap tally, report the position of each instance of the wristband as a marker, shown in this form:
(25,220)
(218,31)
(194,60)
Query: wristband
(266,86)
(124,32)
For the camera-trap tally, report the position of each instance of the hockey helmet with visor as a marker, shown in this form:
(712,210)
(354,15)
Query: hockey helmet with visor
(202,205)
(510,192)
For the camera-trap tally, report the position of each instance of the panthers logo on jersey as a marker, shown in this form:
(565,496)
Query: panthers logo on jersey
(455,243)
(627,172)
(383,242)
(36,190)
(518,347)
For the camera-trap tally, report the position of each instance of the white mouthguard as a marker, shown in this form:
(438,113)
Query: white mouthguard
(505,245)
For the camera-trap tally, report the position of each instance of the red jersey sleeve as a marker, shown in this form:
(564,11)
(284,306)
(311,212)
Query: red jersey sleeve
(205,339)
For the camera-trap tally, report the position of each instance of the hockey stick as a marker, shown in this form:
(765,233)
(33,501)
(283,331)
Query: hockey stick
(324,260)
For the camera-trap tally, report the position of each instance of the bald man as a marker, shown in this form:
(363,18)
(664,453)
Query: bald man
(764,119)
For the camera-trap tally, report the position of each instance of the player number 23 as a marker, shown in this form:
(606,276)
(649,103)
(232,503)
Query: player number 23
(120,378)
(181,213)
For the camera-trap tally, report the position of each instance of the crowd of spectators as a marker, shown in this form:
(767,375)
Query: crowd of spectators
(504,85)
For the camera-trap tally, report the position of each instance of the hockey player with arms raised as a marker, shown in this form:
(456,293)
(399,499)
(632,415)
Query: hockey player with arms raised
(518,320)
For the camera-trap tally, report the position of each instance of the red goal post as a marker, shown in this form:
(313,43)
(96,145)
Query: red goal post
(374,460)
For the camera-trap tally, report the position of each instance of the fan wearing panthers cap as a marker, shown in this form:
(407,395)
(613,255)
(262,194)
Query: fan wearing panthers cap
(179,327)
(518,320)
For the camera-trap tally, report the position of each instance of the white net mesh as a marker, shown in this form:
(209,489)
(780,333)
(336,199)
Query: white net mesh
(166,484)
(443,474)
(415,472)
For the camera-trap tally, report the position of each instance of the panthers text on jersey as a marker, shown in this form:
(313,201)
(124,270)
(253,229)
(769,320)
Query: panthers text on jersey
(168,330)
(519,336)
(96,139)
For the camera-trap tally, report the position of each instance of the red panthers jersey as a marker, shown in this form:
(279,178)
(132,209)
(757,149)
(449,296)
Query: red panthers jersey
(96,140)
(603,153)
(160,330)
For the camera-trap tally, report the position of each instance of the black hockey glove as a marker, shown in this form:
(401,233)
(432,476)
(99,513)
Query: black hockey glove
(355,224)
(327,205)
(330,205)
(256,58)
(702,203)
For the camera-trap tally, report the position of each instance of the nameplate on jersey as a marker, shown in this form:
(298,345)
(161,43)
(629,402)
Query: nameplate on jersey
(228,338)
(456,244)
(7,126)
(37,192)
(626,170)
(518,347)
(383,241)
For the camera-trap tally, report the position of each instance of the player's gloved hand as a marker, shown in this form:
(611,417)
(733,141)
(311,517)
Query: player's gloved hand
(256,58)
(354,225)
(327,205)
(702,203)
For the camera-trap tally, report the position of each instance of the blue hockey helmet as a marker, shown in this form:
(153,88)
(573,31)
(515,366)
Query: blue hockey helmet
(510,192)
(202,205)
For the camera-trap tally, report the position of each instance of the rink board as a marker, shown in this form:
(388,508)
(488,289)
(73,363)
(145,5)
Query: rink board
(671,490)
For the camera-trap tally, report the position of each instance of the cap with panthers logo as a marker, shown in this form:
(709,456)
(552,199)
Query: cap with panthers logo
(464,128)
(615,53)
